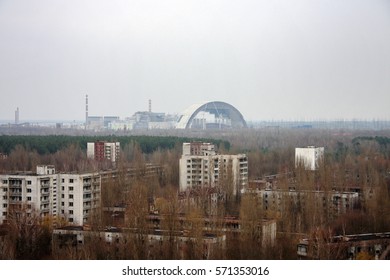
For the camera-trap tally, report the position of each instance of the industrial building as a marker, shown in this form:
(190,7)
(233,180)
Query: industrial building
(201,167)
(71,197)
(211,115)
(309,157)
(206,115)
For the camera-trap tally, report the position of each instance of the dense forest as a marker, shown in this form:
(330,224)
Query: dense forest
(50,144)
(354,159)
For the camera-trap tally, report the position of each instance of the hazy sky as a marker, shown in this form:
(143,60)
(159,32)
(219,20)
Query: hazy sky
(271,59)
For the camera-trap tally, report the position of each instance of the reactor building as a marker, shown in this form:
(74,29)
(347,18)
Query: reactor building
(211,115)
(207,115)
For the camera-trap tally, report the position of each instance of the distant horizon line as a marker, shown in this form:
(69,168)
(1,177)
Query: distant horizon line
(9,121)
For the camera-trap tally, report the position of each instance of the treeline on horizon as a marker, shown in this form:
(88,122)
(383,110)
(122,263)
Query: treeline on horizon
(50,144)
(382,141)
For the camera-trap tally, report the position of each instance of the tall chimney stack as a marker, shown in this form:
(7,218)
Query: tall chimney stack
(17,116)
(86,111)
(150,105)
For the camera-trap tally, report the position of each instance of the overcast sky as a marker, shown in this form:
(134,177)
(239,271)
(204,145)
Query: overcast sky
(271,59)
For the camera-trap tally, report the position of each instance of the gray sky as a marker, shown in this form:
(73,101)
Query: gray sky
(271,59)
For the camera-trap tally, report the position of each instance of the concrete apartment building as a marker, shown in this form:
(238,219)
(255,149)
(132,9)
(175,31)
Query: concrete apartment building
(155,236)
(310,157)
(68,196)
(102,150)
(346,247)
(80,194)
(38,192)
(155,240)
(201,167)
(280,201)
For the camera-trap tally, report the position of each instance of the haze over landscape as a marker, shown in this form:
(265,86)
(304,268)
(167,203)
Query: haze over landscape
(232,131)
(283,59)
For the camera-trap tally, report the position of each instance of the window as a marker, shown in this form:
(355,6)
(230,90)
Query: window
(29,190)
(5,190)
(29,198)
(62,203)
(62,196)
(5,181)
(71,196)
(71,220)
(70,188)
(71,212)
(70,180)
(63,180)
(70,204)
(63,188)
(4,213)
(302,249)
(28,182)
(5,205)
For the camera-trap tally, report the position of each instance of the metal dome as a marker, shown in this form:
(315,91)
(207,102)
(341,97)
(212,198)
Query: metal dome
(225,116)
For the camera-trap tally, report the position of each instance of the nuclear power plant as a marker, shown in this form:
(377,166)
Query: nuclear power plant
(207,115)
(211,115)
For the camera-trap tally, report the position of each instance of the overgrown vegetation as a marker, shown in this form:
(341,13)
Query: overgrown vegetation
(353,160)
(51,144)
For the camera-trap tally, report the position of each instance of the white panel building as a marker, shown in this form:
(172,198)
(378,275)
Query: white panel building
(201,166)
(80,195)
(68,196)
(309,157)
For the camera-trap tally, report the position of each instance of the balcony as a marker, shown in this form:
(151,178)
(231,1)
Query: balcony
(45,210)
(45,184)
(15,193)
(87,207)
(45,200)
(87,191)
(45,192)
(15,200)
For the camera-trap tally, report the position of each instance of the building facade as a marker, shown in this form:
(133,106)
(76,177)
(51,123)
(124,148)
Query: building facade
(71,197)
(310,157)
(200,166)
(346,247)
(334,203)
(80,195)
(102,150)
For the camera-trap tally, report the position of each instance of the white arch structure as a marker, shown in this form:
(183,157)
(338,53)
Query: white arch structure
(226,114)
